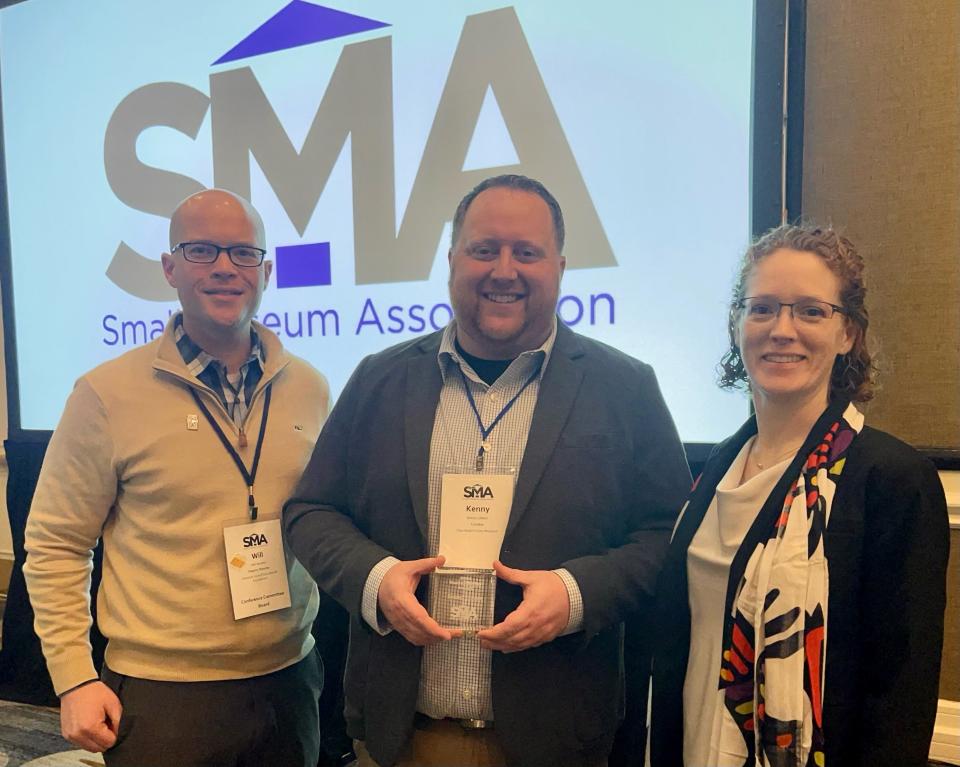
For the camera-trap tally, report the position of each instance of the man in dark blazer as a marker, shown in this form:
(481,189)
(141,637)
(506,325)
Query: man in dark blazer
(600,476)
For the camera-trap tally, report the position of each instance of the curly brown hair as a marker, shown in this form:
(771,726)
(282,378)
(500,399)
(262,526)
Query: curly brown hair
(854,373)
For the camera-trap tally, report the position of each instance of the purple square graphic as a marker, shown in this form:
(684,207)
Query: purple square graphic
(302,266)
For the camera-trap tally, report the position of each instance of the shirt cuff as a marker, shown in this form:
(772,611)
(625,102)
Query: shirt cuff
(78,686)
(575,621)
(368,606)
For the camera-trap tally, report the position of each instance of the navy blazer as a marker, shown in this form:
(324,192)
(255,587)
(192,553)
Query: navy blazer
(602,479)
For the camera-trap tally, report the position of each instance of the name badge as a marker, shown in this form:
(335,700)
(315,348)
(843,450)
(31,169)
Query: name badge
(256,568)
(474,510)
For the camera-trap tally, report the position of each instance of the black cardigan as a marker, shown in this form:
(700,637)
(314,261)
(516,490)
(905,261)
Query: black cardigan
(887,546)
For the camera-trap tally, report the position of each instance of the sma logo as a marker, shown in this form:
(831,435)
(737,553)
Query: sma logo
(477,491)
(256,539)
(357,104)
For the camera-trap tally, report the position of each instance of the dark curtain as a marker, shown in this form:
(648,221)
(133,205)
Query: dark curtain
(23,673)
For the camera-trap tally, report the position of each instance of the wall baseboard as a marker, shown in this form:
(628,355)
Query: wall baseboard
(951,487)
(945,746)
(6,568)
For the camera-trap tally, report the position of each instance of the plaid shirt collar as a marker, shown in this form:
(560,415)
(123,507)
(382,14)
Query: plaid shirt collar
(209,370)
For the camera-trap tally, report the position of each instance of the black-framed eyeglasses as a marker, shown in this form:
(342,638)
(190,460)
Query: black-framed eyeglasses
(208,252)
(808,310)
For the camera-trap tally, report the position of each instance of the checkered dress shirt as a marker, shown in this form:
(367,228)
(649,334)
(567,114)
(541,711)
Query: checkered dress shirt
(455,675)
(233,390)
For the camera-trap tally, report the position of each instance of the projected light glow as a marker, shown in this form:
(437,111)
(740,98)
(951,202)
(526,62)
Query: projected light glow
(355,129)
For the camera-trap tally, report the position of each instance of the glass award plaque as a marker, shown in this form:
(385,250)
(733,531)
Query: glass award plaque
(462,598)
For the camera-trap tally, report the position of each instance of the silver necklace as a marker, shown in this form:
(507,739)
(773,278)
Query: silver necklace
(773,461)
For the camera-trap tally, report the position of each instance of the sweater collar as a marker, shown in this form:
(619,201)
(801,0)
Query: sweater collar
(170,360)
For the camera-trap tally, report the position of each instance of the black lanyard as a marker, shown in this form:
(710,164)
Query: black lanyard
(485,431)
(248,476)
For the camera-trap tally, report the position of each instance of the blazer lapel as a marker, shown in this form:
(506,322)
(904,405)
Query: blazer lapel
(558,390)
(420,406)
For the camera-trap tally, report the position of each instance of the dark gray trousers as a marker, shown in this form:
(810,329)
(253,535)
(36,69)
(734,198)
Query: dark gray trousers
(266,720)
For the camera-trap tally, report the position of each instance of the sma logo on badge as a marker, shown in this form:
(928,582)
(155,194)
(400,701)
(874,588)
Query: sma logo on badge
(477,491)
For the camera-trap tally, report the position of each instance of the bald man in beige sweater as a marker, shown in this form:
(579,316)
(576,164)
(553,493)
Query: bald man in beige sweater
(180,454)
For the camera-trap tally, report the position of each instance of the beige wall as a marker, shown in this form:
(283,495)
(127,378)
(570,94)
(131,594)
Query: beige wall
(882,162)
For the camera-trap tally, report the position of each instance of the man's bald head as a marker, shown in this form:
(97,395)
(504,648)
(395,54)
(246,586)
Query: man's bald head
(208,207)
(219,297)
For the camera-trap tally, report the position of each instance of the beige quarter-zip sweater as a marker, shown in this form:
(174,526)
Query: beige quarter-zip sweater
(134,461)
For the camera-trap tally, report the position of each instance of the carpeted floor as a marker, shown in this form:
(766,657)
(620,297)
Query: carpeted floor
(30,735)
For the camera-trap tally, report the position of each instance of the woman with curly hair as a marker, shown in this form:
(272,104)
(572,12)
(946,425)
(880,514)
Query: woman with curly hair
(801,603)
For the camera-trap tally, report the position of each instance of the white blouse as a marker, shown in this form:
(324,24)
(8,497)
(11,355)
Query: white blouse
(724,526)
